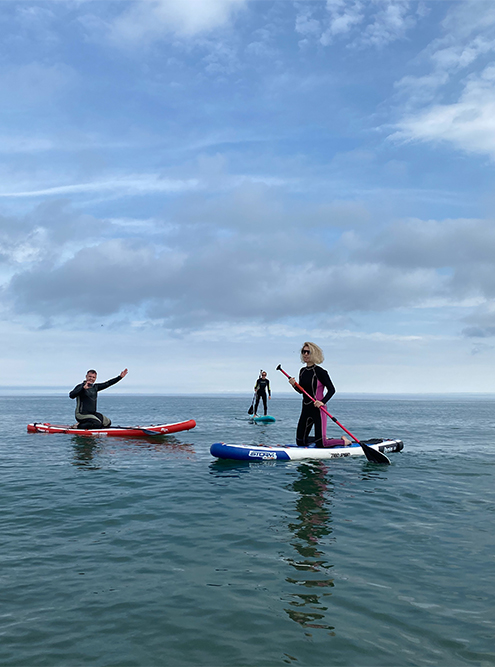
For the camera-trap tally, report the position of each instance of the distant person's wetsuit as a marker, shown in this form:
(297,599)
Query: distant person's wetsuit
(314,380)
(261,387)
(86,414)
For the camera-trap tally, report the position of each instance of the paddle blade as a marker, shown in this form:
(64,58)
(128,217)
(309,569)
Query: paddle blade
(374,455)
(251,410)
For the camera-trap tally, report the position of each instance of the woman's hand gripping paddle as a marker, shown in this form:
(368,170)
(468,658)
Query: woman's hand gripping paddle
(371,454)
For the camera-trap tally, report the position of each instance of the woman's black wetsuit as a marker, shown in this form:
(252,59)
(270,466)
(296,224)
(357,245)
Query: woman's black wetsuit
(261,387)
(314,380)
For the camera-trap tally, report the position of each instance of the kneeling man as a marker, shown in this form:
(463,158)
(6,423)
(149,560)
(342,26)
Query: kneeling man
(86,394)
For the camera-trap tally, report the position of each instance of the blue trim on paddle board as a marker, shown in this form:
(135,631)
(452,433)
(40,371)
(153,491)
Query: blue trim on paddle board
(254,453)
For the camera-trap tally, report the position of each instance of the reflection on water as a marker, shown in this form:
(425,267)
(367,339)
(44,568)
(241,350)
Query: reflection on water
(307,605)
(370,472)
(229,468)
(87,449)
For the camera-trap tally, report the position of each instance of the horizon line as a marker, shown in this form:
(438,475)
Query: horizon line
(26,391)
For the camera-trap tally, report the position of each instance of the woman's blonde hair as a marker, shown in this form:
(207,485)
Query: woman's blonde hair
(316,355)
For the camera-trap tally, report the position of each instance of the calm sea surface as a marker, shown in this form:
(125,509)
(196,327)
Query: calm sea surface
(136,553)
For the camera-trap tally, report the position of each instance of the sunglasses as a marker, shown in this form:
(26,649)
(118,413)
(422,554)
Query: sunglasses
(305,351)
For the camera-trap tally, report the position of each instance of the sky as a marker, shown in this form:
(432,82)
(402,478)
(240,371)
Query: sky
(193,188)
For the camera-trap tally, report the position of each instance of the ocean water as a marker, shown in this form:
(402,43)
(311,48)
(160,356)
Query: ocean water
(136,553)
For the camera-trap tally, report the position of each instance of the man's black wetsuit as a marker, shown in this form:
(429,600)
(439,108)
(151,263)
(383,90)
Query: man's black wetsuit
(262,385)
(312,379)
(86,414)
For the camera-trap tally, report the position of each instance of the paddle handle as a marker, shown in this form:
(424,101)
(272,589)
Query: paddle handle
(296,384)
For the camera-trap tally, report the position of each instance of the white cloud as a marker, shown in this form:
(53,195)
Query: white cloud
(250,254)
(469,18)
(468,124)
(306,25)
(362,23)
(147,20)
(481,322)
(447,57)
(343,15)
(126,185)
(466,121)
(390,23)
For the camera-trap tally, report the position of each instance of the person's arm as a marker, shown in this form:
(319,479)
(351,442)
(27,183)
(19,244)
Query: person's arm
(325,380)
(268,387)
(104,385)
(256,386)
(292,381)
(77,390)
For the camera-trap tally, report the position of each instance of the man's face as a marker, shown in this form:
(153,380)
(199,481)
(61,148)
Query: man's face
(90,378)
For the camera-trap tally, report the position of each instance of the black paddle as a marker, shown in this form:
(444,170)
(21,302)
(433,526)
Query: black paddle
(371,454)
(251,409)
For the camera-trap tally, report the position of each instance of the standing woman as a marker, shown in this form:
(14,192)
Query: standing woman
(315,380)
(261,387)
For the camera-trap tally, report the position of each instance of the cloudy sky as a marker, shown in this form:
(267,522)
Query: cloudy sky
(193,188)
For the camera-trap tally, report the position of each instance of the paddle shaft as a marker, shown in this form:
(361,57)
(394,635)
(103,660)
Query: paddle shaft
(279,368)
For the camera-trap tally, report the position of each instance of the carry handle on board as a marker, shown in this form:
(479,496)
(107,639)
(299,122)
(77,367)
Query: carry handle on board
(371,454)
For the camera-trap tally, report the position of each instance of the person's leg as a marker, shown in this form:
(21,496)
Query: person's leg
(89,424)
(265,408)
(318,427)
(104,420)
(344,441)
(256,405)
(303,428)
(89,421)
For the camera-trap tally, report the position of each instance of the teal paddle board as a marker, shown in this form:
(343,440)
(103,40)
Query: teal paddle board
(264,419)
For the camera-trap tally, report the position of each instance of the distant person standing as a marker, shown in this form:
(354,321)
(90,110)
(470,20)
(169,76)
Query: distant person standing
(261,387)
(316,381)
(86,395)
